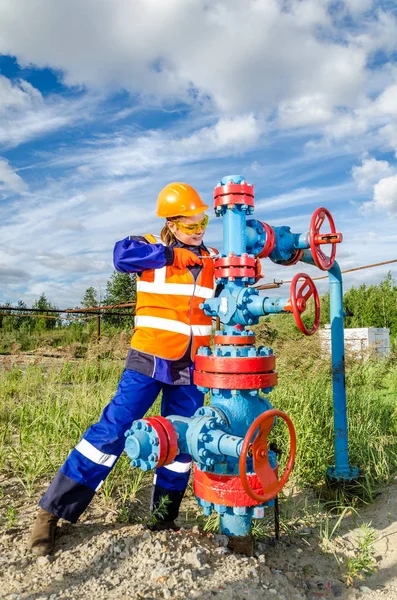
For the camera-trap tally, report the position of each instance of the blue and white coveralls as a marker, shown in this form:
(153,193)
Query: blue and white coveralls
(144,377)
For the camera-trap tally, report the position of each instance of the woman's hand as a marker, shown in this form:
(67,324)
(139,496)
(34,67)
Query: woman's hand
(185,258)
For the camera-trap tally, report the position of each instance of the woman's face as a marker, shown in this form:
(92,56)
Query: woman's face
(191,239)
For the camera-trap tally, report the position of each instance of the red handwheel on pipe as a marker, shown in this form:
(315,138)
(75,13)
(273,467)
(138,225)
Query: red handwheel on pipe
(299,298)
(316,238)
(259,450)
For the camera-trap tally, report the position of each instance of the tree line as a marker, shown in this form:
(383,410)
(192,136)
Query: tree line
(365,306)
(368,306)
(120,289)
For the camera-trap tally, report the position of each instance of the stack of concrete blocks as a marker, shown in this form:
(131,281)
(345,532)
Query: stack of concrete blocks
(360,340)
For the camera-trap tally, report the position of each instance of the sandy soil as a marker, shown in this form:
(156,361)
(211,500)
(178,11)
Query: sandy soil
(102,558)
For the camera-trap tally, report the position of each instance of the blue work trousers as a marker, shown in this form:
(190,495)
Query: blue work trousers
(91,461)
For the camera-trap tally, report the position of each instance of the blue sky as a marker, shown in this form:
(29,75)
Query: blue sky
(104,102)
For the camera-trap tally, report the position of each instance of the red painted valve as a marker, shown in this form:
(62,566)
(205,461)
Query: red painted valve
(316,238)
(271,485)
(235,373)
(234,193)
(299,298)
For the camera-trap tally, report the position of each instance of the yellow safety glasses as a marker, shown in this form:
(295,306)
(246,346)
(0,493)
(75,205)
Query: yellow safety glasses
(190,228)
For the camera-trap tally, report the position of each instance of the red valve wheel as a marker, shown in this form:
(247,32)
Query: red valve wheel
(259,448)
(299,300)
(316,238)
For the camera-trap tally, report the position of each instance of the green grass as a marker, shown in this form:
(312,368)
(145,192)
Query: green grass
(28,338)
(304,392)
(77,336)
(306,395)
(45,409)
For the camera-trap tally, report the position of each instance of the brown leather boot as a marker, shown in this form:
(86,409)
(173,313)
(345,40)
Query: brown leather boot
(42,538)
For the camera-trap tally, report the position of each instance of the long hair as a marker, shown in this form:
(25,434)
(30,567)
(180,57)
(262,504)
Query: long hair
(166,234)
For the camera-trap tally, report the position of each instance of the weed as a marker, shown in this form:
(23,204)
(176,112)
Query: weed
(107,490)
(331,524)
(212,523)
(363,562)
(11,517)
(160,511)
(127,489)
(136,483)
(124,514)
(263,528)
(299,510)
(309,403)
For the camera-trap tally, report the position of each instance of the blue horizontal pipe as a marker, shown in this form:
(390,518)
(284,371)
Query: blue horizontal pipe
(223,443)
(260,306)
(303,241)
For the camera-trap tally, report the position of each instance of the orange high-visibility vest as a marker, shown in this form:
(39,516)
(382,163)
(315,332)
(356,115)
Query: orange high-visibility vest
(168,310)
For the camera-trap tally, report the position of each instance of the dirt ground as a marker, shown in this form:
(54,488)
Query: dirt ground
(102,558)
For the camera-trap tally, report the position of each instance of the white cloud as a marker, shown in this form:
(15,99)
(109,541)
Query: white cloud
(389,134)
(71,234)
(303,196)
(387,101)
(64,294)
(25,114)
(370,172)
(381,33)
(306,110)
(358,6)
(244,58)
(347,125)
(10,181)
(22,112)
(11,275)
(286,60)
(68,224)
(233,134)
(385,194)
(67,263)
(129,154)
(18,95)
(250,71)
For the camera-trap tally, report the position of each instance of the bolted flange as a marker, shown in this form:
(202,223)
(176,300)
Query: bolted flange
(251,364)
(232,381)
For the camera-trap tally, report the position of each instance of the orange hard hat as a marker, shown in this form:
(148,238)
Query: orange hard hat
(179,199)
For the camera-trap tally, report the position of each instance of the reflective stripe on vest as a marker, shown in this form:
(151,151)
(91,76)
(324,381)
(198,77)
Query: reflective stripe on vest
(175,289)
(165,324)
(168,316)
(202,329)
(171,325)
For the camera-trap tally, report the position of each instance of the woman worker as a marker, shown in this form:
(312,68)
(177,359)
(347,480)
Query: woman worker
(169,327)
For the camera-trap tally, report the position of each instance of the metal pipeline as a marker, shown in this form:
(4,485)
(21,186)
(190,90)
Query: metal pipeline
(342,469)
